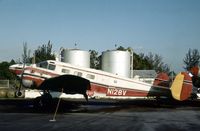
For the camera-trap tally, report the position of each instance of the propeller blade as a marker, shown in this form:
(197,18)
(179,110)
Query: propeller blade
(18,93)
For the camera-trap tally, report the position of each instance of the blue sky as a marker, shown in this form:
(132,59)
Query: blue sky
(165,27)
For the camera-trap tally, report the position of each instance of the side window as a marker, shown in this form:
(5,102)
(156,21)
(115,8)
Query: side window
(51,67)
(78,73)
(89,76)
(65,71)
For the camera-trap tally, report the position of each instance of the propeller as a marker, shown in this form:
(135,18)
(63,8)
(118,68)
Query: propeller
(19,93)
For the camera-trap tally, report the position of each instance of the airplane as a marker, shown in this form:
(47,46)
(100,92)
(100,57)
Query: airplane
(96,84)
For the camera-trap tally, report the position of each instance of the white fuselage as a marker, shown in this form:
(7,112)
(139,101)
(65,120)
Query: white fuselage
(103,84)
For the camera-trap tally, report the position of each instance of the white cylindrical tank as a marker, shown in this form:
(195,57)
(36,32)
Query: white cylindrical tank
(76,57)
(116,62)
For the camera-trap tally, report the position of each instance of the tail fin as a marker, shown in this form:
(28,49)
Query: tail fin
(195,70)
(181,87)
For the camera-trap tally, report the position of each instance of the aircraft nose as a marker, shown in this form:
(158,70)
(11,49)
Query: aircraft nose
(12,68)
(16,69)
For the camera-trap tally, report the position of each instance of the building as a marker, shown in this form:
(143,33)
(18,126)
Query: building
(147,76)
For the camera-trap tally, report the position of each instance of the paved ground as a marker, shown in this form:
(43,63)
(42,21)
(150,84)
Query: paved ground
(98,117)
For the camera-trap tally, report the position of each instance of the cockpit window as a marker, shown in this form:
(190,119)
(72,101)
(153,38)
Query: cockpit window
(42,65)
(45,65)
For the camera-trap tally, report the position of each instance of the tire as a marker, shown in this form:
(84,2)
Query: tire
(43,103)
(20,94)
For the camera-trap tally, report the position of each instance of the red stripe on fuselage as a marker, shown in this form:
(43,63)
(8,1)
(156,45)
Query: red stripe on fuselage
(113,91)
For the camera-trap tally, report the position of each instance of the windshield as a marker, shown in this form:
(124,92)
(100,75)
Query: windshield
(42,65)
(45,65)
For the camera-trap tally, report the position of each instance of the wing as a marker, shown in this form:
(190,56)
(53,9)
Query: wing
(70,84)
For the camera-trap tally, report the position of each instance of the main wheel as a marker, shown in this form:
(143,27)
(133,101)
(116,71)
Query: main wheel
(43,102)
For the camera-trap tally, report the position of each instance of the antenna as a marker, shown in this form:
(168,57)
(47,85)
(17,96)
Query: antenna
(75,45)
(115,45)
(33,59)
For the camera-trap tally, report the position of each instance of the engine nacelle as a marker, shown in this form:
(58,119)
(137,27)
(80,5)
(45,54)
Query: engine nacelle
(27,83)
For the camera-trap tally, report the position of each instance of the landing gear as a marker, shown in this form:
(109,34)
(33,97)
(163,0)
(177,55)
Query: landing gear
(20,94)
(43,102)
(193,96)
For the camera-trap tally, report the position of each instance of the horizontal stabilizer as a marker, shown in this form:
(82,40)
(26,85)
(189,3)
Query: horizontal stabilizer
(162,79)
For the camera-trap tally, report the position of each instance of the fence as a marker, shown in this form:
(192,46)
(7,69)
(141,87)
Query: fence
(4,83)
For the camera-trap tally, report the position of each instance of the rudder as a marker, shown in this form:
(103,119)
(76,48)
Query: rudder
(181,87)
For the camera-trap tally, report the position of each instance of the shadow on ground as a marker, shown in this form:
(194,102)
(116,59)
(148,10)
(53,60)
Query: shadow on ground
(94,106)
